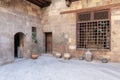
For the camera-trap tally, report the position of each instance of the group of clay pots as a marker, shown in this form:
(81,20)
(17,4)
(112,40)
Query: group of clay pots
(88,57)
(65,55)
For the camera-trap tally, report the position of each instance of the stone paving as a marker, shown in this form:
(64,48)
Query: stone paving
(47,67)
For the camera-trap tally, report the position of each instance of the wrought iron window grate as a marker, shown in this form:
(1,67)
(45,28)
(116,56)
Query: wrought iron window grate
(94,33)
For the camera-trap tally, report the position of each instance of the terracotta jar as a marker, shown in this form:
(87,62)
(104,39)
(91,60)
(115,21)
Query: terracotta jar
(34,56)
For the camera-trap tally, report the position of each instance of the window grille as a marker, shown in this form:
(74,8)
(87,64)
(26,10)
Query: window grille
(95,33)
(84,17)
(101,15)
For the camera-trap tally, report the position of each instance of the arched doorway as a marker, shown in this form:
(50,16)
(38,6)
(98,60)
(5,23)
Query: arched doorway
(19,40)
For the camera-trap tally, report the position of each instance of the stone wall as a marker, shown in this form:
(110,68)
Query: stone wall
(18,16)
(63,27)
(95,3)
(115,34)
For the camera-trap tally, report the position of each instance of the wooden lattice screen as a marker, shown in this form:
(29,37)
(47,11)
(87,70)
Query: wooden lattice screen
(93,30)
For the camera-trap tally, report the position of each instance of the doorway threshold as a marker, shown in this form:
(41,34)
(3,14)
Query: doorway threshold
(19,59)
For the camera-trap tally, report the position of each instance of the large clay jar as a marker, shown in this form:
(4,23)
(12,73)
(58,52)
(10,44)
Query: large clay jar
(88,56)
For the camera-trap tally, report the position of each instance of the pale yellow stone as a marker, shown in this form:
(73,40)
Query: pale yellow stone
(72,47)
(94,1)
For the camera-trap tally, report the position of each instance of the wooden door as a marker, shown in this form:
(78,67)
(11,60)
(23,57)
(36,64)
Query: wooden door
(48,42)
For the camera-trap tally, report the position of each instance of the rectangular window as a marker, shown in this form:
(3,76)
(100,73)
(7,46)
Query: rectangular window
(33,29)
(84,16)
(93,30)
(34,35)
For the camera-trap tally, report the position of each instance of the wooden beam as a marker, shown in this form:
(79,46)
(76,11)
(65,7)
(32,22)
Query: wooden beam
(41,3)
(36,3)
(73,0)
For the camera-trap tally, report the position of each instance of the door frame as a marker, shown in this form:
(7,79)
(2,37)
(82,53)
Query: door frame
(46,41)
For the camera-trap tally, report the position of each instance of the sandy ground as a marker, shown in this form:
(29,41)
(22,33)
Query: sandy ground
(50,68)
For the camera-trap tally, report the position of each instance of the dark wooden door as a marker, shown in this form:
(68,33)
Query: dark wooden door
(48,42)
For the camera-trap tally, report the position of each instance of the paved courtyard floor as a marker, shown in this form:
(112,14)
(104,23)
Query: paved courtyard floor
(50,68)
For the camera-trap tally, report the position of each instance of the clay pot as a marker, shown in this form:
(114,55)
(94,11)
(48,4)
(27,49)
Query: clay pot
(58,55)
(104,60)
(67,56)
(34,56)
(81,58)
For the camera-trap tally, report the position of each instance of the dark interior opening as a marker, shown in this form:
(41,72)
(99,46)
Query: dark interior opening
(16,42)
(17,38)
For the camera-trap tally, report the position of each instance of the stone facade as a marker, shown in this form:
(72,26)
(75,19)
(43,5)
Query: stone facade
(18,16)
(63,27)
(21,15)
(115,36)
